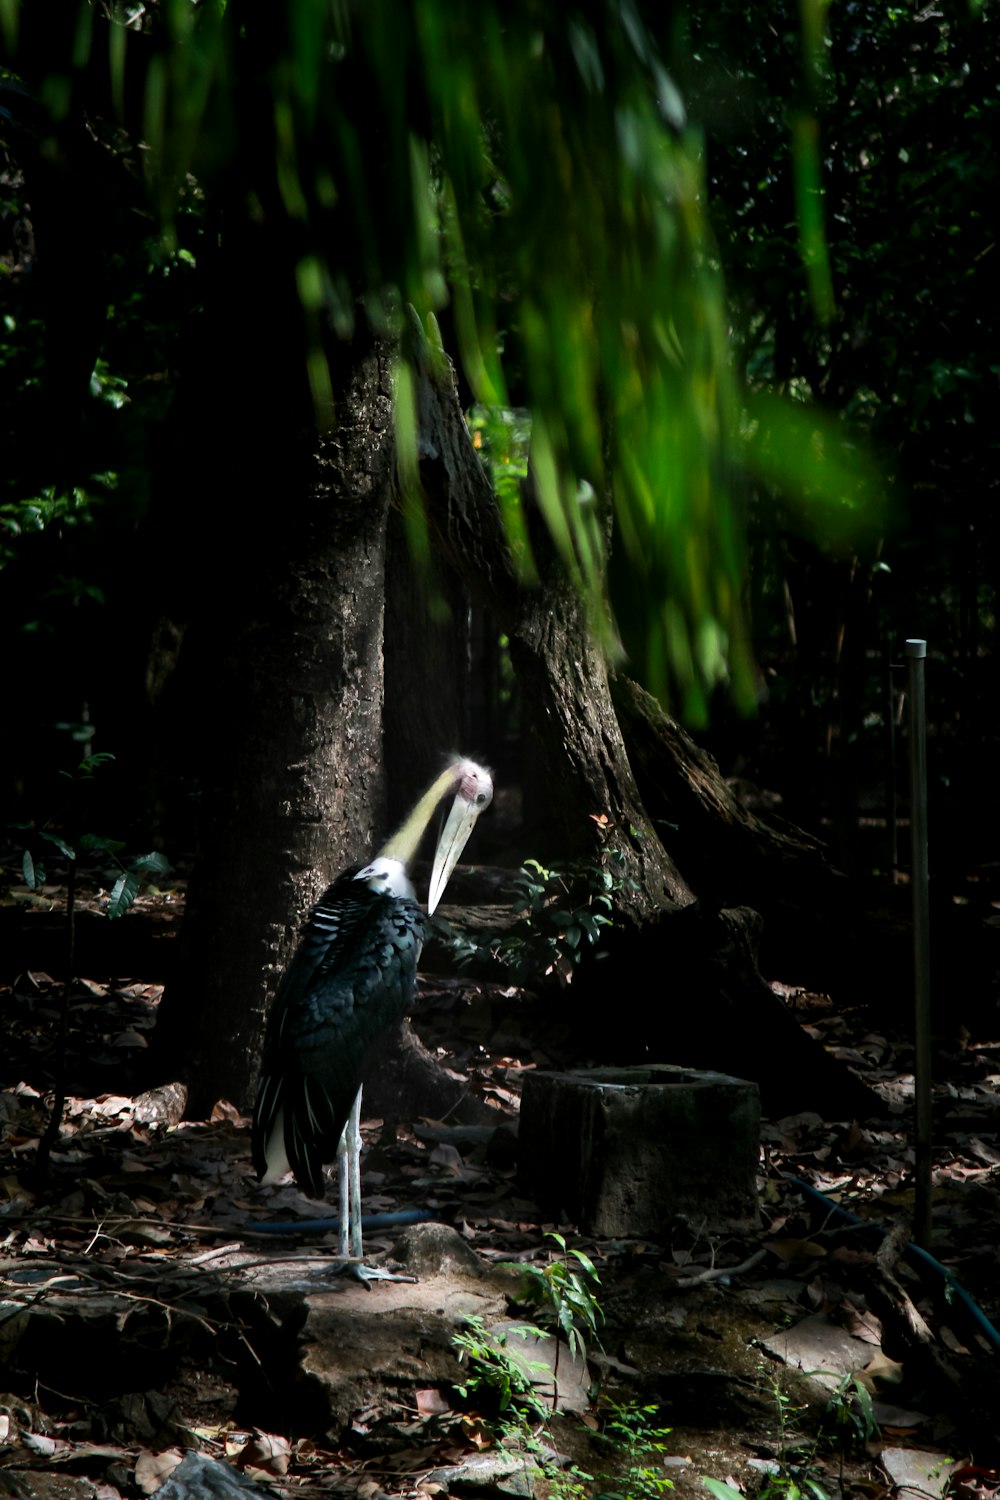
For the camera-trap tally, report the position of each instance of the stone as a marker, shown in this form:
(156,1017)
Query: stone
(546,1361)
(624,1151)
(825,1353)
(916,1474)
(375,1346)
(485,1473)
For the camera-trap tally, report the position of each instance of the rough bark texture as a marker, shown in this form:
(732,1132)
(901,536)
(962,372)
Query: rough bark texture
(405,1082)
(577,759)
(577,755)
(729,855)
(299,790)
(693,991)
(426,673)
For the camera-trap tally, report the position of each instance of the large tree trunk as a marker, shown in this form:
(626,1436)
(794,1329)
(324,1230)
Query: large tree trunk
(712,1008)
(426,673)
(576,752)
(295,790)
(302,787)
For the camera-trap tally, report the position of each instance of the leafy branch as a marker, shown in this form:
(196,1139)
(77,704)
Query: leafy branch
(561,914)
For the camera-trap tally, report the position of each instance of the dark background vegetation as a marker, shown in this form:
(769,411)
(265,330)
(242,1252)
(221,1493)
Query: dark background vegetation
(123,504)
(243,614)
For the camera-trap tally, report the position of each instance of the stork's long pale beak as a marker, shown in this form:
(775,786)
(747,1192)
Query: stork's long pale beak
(474,795)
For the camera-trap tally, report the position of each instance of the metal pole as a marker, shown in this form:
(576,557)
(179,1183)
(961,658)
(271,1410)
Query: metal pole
(890,766)
(916,651)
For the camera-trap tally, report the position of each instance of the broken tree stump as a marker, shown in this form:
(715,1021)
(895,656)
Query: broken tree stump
(624,1151)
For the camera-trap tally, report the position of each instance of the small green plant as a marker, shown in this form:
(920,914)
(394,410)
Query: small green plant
(502,1387)
(565,1484)
(564,1293)
(128,880)
(798,1476)
(849,1420)
(561,914)
(638,1445)
(790,1484)
(127,886)
(495,1378)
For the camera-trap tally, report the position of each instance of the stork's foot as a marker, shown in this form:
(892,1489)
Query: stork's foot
(369,1274)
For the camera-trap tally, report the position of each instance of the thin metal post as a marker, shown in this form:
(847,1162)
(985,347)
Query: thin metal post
(916,651)
(890,766)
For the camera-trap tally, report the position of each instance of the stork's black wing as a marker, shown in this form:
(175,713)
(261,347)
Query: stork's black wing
(352,977)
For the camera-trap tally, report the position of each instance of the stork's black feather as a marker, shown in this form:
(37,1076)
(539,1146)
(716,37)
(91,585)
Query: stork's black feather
(352,976)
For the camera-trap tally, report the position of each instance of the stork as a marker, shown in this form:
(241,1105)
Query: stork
(351,978)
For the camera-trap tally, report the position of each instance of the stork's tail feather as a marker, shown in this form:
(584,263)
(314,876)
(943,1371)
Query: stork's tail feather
(297,1127)
(270,1157)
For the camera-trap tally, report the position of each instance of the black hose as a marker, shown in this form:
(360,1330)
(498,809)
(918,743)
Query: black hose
(369,1222)
(912,1253)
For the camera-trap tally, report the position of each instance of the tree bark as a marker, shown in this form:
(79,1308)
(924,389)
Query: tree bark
(303,782)
(296,787)
(426,672)
(578,759)
(712,1008)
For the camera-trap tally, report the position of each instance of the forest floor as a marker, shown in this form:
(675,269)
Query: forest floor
(810,1356)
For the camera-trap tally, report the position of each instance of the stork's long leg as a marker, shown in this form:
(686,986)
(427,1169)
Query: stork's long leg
(349,1180)
(343,1179)
(353,1132)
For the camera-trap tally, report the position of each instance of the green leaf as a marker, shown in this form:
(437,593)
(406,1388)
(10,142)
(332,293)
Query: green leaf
(90,762)
(96,844)
(54,838)
(154,863)
(720,1490)
(586,1263)
(126,888)
(31,876)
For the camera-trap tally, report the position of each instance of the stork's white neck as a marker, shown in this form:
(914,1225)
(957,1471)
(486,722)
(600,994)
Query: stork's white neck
(388,877)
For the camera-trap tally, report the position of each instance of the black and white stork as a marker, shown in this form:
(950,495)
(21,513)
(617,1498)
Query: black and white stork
(351,978)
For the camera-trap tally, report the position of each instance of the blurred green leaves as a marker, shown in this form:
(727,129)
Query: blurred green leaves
(814,463)
(532,177)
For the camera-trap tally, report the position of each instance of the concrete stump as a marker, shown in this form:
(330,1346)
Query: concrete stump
(622,1151)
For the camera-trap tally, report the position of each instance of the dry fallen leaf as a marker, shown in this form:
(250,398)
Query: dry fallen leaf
(446,1156)
(881,1367)
(266,1455)
(45,1447)
(152,1469)
(431,1403)
(223,1110)
(792,1250)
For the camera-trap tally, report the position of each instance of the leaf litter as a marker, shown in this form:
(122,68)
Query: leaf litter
(132,1272)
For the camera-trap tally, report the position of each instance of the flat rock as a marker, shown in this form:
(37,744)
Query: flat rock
(507,1473)
(823,1351)
(917,1474)
(367,1345)
(547,1363)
